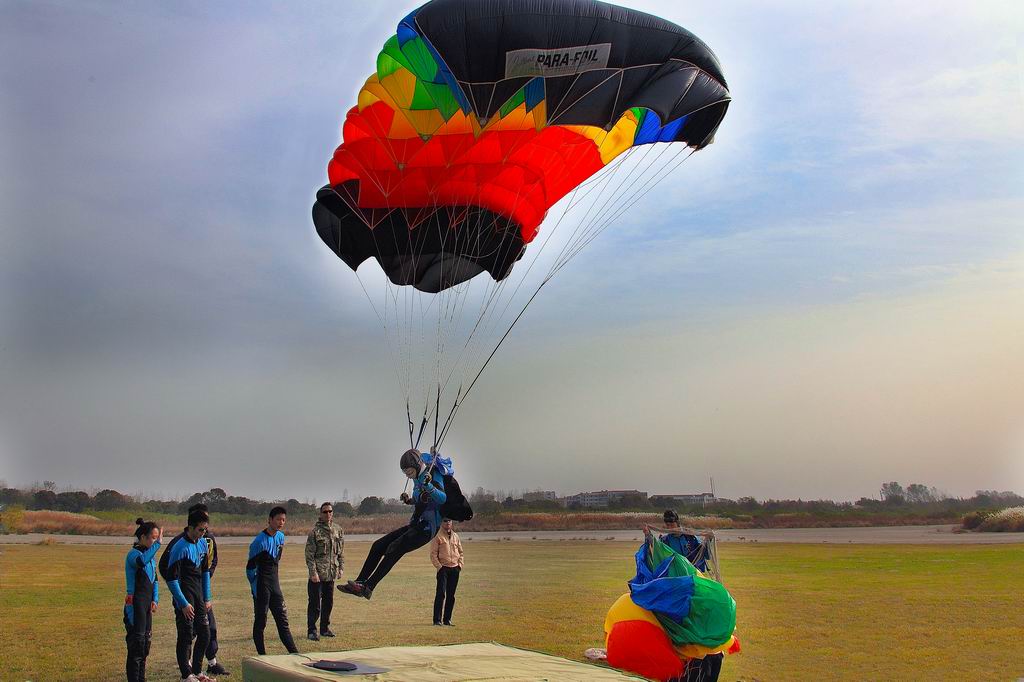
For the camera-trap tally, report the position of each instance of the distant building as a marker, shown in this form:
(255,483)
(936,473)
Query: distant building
(540,496)
(602,498)
(702,499)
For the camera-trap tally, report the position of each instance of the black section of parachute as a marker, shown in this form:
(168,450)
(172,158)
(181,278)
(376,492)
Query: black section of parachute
(449,246)
(652,63)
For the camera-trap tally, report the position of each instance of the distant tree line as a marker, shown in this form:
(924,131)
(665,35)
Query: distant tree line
(915,498)
(216,499)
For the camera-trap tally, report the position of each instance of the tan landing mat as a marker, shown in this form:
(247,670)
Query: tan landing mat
(478,661)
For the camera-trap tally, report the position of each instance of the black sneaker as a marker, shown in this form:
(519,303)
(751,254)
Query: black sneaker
(312,636)
(217,669)
(352,587)
(449,623)
(437,622)
(326,633)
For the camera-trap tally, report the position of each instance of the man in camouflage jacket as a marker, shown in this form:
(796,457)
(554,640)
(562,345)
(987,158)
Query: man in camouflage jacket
(324,547)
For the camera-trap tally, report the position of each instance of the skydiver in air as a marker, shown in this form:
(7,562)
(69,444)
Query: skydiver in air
(427,495)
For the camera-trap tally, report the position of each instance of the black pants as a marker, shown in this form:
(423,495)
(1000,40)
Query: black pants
(138,635)
(704,669)
(190,658)
(321,602)
(212,647)
(447,583)
(387,550)
(269,595)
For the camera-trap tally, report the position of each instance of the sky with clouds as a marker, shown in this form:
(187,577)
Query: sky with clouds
(828,297)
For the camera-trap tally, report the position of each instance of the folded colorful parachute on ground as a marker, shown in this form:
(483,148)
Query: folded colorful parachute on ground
(672,614)
(482,115)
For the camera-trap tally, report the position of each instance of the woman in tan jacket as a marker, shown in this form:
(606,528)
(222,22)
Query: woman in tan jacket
(447,557)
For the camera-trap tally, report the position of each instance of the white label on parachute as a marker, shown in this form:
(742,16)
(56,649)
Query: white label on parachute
(564,61)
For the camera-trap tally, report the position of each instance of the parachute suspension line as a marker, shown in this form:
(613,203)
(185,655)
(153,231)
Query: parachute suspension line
(596,210)
(383,323)
(496,293)
(408,418)
(664,173)
(484,318)
(582,225)
(583,235)
(602,181)
(487,362)
(625,202)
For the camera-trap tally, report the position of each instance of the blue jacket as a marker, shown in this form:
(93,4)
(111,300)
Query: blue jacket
(265,552)
(137,561)
(189,569)
(690,546)
(428,510)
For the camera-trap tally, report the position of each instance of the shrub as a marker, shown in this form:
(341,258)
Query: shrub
(1010,520)
(972,520)
(11,518)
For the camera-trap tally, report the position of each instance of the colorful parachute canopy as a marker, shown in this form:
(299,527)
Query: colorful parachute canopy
(484,113)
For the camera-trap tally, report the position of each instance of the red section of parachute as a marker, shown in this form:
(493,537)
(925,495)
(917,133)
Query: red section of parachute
(519,174)
(643,648)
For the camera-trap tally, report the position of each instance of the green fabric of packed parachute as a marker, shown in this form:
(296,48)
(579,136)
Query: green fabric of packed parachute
(691,608)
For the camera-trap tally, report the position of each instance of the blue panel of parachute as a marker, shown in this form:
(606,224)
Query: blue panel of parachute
(651,129)
(534,93)
(657,591)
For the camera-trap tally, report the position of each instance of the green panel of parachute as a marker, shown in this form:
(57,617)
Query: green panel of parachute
(712,617)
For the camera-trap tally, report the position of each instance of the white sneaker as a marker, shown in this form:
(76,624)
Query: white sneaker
(190,678)
(203,677)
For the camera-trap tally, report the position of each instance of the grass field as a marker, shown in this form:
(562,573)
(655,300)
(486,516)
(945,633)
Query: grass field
(805,612)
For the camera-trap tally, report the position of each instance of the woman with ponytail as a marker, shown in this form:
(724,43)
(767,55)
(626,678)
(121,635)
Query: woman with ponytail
(141,596)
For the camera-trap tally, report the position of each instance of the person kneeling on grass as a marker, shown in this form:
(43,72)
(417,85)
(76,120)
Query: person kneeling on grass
(428,495)
(141,597)
(261,570)
(447,556)
(189,570)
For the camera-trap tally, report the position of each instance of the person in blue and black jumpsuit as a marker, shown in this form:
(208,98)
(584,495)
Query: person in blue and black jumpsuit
(261,570)
(141,597)
(428,495)
(213,667)
(687,544)
(189,583)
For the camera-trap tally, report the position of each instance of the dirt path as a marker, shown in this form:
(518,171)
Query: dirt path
(882,535)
